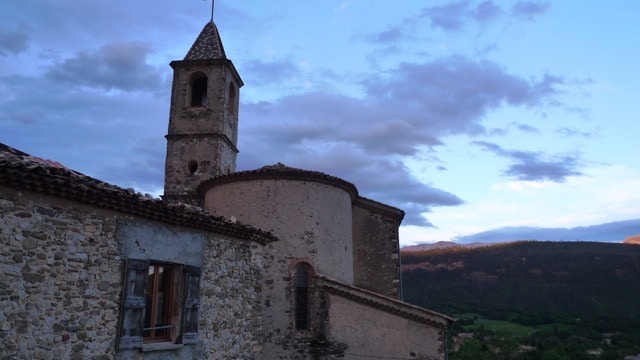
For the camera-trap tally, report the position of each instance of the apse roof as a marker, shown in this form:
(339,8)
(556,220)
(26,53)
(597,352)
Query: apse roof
(284,172)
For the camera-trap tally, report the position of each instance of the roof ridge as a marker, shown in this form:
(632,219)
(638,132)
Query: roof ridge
(280,171)
(385,303)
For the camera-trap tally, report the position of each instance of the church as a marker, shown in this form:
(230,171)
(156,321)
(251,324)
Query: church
(272,263)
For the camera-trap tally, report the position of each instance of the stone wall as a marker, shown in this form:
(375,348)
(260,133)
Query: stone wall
(60,281)
(62,272)
(376,257)
(313,221)
(230,314)
(202,140)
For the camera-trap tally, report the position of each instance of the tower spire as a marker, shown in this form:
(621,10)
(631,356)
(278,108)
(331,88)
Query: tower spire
(203,118)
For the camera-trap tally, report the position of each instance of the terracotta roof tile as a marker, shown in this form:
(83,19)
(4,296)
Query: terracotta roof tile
(282,172)
(26,172)
(385,303)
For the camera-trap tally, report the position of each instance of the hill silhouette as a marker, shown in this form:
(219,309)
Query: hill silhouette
(530,282)
(607,232)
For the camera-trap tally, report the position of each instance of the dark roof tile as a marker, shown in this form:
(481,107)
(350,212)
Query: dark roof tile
(208,45)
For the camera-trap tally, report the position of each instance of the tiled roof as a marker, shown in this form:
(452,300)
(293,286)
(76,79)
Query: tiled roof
(208,45)
(281,172)
(23,171)
(379,207)
(385,303)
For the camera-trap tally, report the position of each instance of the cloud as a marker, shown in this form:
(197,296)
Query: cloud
(270,71)
(412,106)
(608,232)
(13,42)
(390,36)
(453,16)
(573,132)
(534,166)
(452,95)
(363,139)
(449,17)
(529,10)
(527,128)
(117,66)
(381,178)
(94,131)
(486,11)
(94,98)
(144,171)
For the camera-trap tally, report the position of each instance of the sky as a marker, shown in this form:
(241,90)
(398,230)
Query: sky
(471,116)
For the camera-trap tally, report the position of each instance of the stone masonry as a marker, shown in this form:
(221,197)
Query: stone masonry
(61,283)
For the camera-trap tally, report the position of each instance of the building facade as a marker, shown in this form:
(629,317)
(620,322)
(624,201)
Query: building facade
(272,263)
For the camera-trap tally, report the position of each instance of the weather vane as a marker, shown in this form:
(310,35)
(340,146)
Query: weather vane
(213,2)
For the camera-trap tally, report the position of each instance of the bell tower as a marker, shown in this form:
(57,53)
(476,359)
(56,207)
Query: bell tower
(203,119)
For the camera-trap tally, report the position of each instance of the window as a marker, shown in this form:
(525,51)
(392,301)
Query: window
(301,297)
(232,99)
(160,303)
(199,90)
(192,166)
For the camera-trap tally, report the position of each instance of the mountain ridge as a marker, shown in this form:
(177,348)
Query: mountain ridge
(529,282)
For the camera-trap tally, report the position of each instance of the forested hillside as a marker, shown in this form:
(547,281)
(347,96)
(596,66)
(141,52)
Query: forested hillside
(531,282)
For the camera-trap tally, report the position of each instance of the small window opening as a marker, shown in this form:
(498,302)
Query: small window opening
(301,284)
(199,92)
(192,166)
(232,99)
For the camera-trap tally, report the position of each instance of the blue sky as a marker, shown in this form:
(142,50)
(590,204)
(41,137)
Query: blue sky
(471,116)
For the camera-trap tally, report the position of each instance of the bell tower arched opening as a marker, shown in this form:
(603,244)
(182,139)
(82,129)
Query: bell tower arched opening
(198,89)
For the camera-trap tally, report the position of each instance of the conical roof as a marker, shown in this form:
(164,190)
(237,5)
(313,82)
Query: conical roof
(208,45)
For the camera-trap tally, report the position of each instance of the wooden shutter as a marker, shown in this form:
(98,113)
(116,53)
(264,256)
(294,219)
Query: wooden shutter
(133,304)
(191,305)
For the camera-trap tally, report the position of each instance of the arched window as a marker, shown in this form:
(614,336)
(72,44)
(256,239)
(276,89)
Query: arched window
(301,297)
(232,99)
(199,90)
(192,166)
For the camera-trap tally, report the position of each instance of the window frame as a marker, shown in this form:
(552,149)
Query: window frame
(181,310)
(302,297)
(198,90)
(150,333)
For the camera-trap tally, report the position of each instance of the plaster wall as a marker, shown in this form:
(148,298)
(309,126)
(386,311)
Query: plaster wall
(369,332)
(312,221)
(376,251)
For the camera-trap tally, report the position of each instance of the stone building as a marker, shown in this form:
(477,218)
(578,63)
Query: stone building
(273,263)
